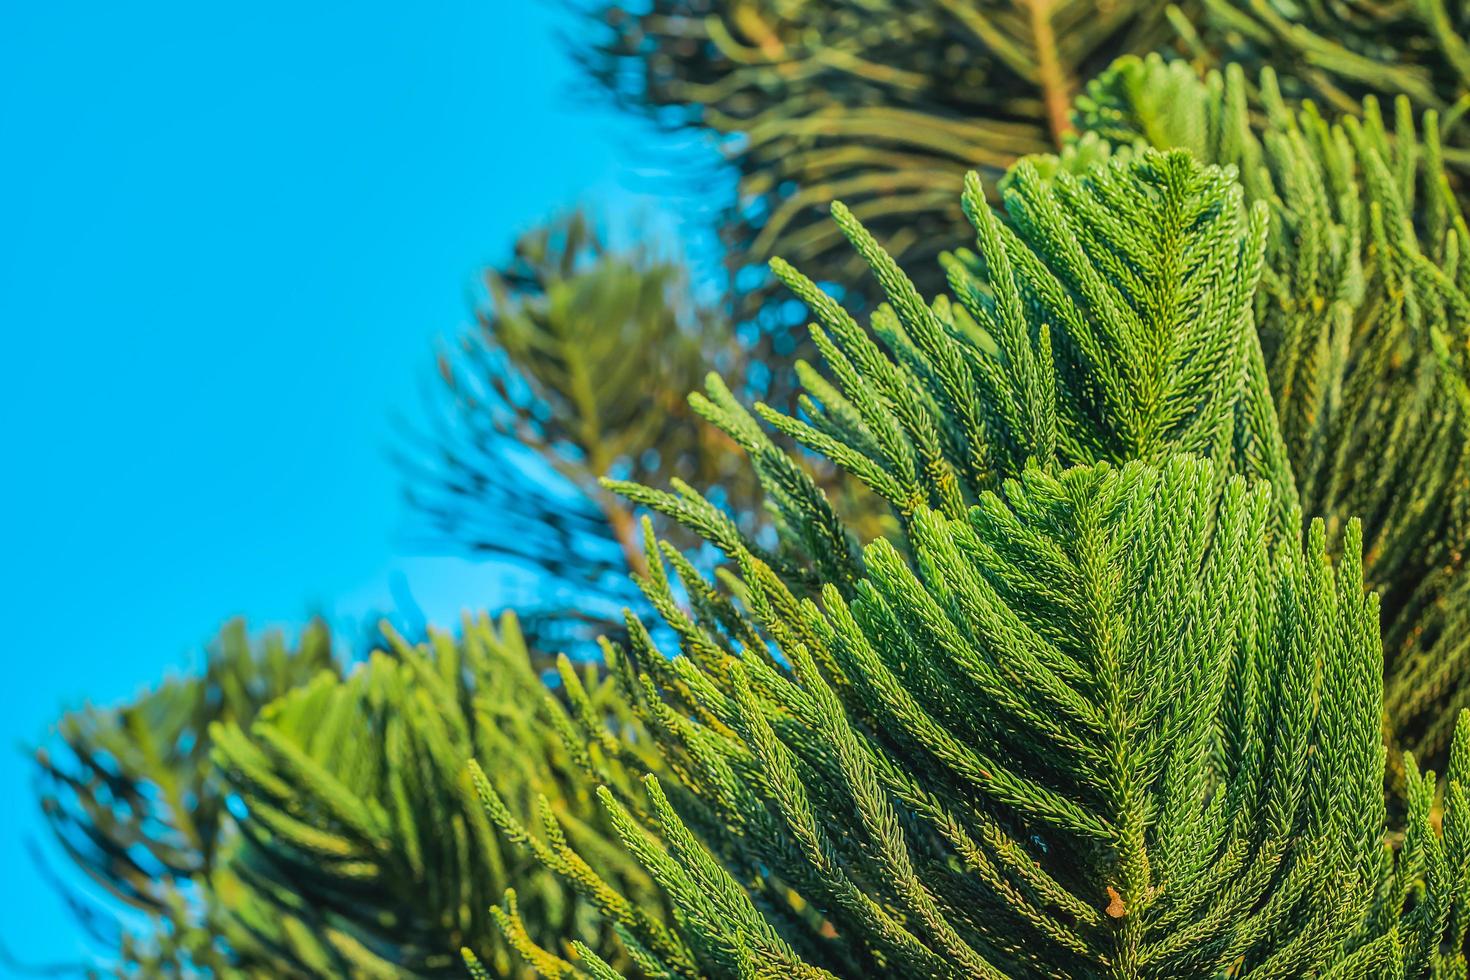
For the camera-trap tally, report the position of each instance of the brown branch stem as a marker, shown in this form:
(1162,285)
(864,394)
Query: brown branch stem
(1056,85)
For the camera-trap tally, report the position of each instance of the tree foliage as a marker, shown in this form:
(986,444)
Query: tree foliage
(1363,318)
(359,856)
(576,369)
(282,816)
(886,106)
(1052,625)
(1101,709)
(132,796)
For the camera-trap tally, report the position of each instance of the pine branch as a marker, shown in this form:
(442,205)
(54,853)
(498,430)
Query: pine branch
(363,853)
(1098,708)
(577,370)
(1363,317)
(134,801)
(279,817)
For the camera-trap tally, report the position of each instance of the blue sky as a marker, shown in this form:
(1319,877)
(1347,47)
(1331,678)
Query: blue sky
(231,236)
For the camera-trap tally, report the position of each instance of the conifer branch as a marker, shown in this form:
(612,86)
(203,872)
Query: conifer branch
(1363,319)
(1104,716)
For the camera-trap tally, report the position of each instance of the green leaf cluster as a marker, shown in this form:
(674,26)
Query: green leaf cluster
(1362,314)
(1101,706)
(331,829)
(133,799)
(360,854)
(576,368)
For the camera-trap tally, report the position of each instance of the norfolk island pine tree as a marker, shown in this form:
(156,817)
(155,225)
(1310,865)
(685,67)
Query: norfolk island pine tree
(822,756)
(1339,529)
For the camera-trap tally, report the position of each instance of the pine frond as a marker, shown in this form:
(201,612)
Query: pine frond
(577,368)
(133,798)
(1364,316)
(1101,706)
(366,851)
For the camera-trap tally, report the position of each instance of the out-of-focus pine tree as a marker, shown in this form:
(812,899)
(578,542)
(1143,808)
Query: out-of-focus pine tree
(576,368)
(885,105)
(285,815)
(1339,53)
(132,797)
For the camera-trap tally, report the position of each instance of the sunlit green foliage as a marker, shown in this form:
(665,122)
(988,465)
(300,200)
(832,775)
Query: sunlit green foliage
(1364,315)
(133,797)
(360,856)
(329,832)
(1102,708)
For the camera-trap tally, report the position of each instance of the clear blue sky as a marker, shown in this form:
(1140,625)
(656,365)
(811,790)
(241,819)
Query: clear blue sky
(231,234)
